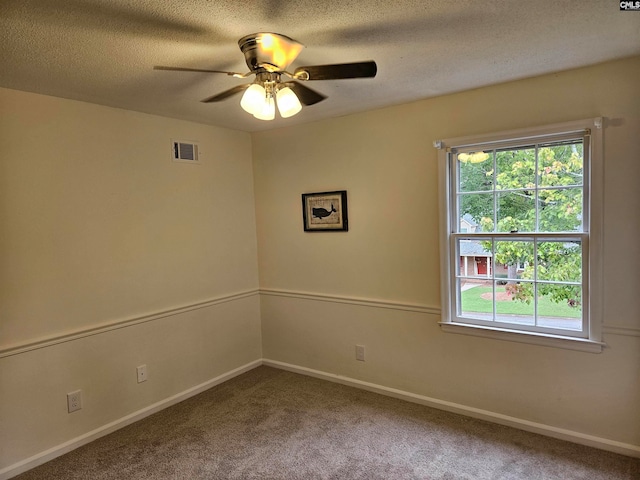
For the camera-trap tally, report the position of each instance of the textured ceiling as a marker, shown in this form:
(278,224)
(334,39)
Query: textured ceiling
(103,51)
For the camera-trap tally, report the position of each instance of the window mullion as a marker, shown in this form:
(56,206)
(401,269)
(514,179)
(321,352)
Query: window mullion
(536,190)
(495,195)
(493,280)
(535,271)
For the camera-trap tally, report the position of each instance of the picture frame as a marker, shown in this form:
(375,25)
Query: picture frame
(325,211)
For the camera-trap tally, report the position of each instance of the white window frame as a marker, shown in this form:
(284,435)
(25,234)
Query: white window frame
(590,339)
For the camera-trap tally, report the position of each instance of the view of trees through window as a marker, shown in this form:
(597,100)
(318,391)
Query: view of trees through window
(526,207)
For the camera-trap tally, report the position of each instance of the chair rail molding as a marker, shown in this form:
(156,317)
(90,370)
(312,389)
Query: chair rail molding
(365,302)
(7,351)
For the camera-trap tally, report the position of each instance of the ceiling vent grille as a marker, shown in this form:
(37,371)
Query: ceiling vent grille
(185,152)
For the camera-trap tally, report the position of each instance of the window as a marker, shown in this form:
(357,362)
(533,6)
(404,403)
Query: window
(536,209)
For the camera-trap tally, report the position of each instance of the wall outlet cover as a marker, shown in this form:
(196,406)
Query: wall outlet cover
(74,401)
(142,373)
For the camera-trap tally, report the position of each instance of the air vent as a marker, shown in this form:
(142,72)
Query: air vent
(185,152)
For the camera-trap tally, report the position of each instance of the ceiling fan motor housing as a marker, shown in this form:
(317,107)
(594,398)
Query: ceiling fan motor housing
(269,51)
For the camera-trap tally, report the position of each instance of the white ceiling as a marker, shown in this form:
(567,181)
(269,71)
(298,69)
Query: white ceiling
(103,51)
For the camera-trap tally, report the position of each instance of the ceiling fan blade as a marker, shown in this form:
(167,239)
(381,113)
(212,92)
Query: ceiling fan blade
(203,70)
(337,71)
(306,95)
(226,94)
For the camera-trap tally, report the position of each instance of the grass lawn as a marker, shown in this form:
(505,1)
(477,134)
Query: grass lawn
(472,301)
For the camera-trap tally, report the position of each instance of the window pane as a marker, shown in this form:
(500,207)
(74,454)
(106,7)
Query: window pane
(513,260)
(560,210)
(475,171)
(475,258)
(514,302)
(515,168)
(559,261)
(516,211)
(560,306)
(476,299)
(476,212)
(560,165)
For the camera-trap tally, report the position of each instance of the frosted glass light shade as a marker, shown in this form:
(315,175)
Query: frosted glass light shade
(268,111)
(253,100)
(288,103)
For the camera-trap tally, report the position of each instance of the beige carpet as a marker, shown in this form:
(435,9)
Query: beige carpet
(273,424)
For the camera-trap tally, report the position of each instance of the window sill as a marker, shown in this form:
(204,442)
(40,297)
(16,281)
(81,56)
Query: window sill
(557,341)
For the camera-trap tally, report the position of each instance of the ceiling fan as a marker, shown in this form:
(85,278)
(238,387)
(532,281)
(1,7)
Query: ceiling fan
(268,55)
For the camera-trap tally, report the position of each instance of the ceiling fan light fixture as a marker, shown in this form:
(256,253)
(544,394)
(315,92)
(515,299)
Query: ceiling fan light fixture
(268,110)
(253,99)
(268,55)
(288,103)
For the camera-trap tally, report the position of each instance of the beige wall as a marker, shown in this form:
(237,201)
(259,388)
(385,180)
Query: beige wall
(99,226)
(386,162)
(99,223)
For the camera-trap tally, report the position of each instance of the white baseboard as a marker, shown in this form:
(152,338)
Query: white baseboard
(58,450)
(542,429)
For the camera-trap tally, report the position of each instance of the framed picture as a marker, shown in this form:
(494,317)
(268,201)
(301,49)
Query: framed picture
(325,212)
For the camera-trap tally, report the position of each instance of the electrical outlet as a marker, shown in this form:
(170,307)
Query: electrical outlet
(360,353)
(74,401)
(142,373)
